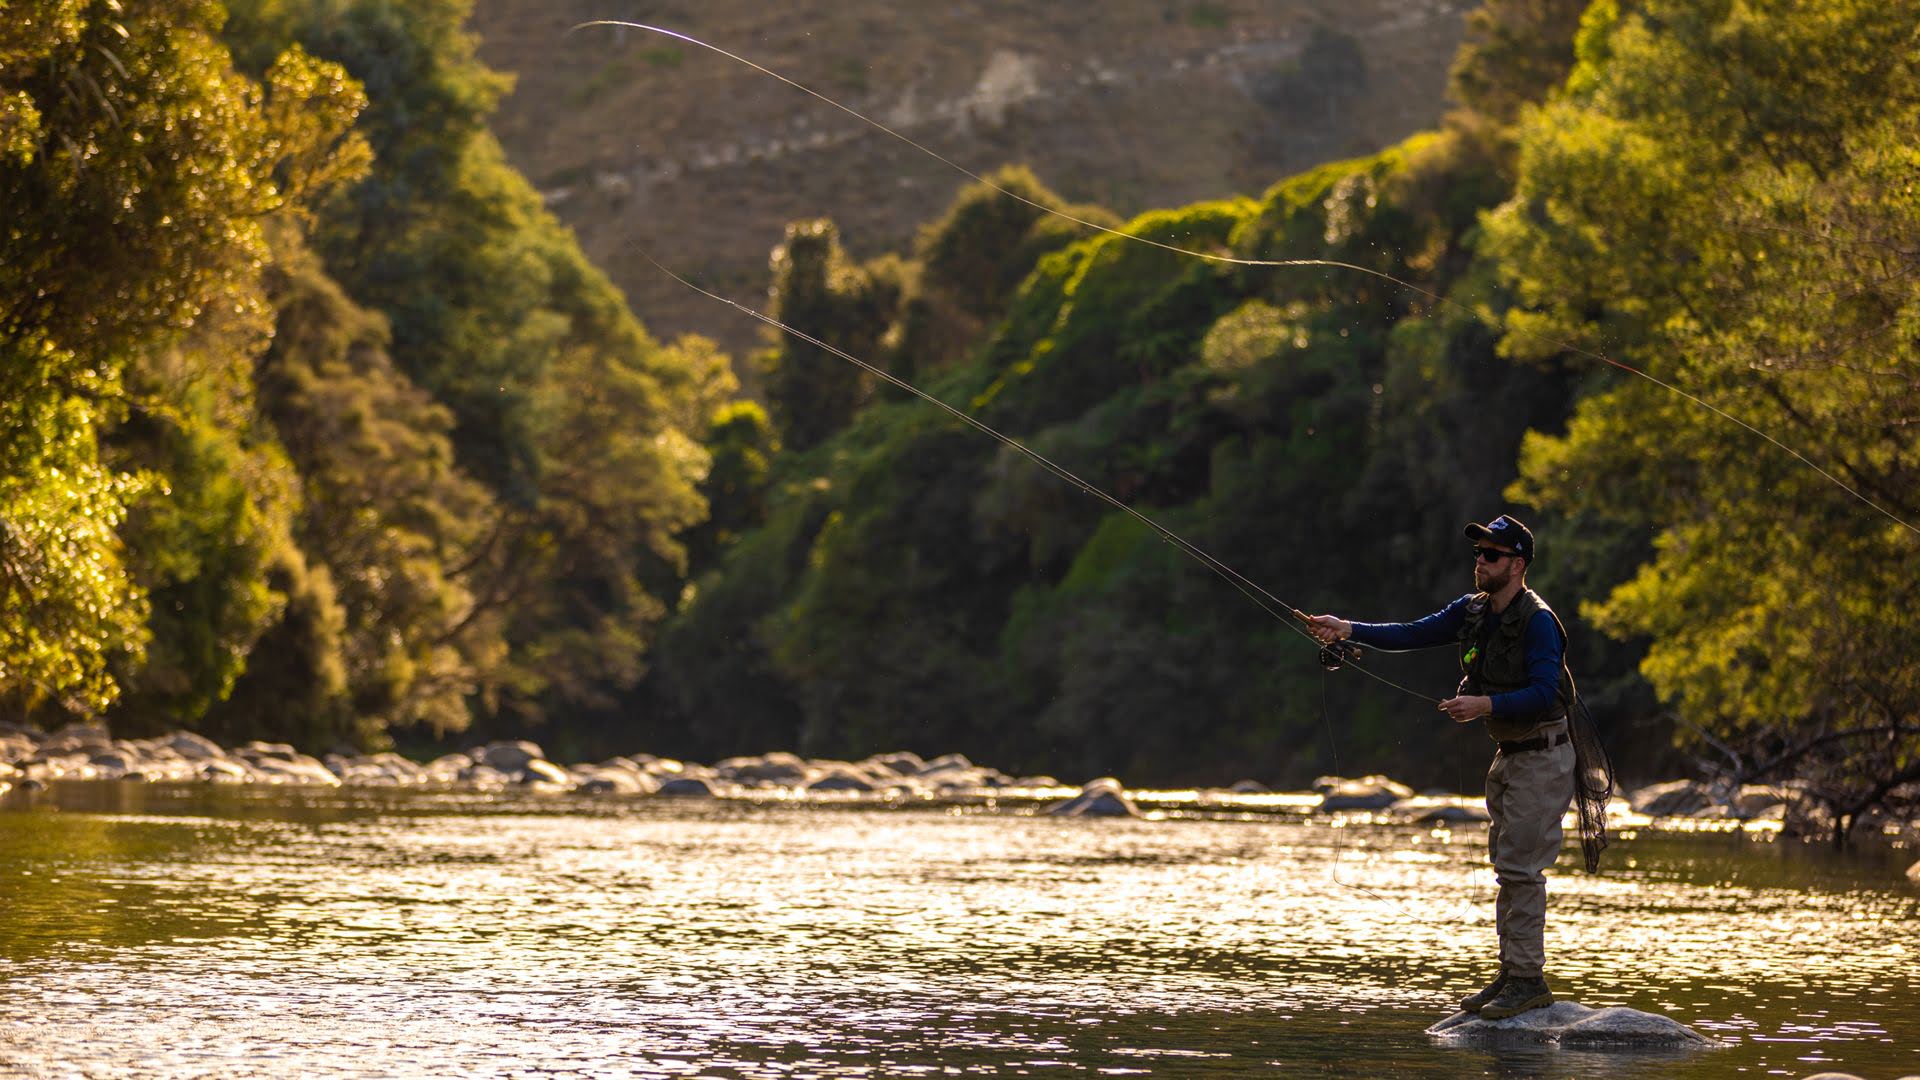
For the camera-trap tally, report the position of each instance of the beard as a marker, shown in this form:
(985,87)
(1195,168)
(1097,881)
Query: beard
(1489,579)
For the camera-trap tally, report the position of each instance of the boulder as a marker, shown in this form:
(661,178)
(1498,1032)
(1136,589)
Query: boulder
(194,747)
(297,769)
(400,768)
(1568,1023)
(542,771)
(692,786)
(114,762)
(1041,781)
(945,763)
(1099,798)
(778,767)
(602,780)
(78,736)
(223,771)
(1675,798)
(955,779)
(1757,801)
(445,769)
(1249,787)
(508,755)
(844,778)
(482,777)
(1452,813)
(256,751)
(1362,793)
(899,763)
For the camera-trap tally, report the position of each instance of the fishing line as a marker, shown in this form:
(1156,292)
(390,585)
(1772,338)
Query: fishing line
(1233,260)
(1281,611)
(1339,827)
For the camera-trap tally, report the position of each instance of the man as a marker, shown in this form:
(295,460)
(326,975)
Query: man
(1511,649)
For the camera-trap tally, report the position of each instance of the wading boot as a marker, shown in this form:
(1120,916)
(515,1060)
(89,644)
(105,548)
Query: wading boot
(1473,1003)
(1520,994)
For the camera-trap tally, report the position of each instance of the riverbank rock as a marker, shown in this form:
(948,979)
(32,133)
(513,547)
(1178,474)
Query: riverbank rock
(508,755)
(1568,1023)
(1675,798)
(842,776)
(779,768)
(540,773)
(1446,813)
(1362,793)
(688,786)
(193,747)
(899,763)
(1099,798)
(614,778)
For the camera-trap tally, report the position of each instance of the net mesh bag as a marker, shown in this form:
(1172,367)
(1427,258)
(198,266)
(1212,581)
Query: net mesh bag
(1592,780)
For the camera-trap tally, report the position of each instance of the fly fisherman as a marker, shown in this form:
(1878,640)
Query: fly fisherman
(1512,653)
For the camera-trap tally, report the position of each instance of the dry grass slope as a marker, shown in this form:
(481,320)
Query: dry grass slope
(637,140)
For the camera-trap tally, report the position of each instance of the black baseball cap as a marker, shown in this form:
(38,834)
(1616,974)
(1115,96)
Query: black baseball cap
(1505,531)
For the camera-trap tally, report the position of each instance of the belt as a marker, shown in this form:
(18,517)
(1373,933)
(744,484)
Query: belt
(1538,742)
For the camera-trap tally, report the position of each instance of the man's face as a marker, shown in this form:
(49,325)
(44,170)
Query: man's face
(1495,566)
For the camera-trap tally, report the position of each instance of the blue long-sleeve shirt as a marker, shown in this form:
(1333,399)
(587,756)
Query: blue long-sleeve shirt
(1541,639)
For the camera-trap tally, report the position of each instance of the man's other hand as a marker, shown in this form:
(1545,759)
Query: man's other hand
(1469,707)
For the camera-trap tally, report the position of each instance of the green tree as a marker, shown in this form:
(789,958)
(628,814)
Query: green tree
(822,293)
(1723,196)
(386,516)
(973,257)
(1516,53)
(741,444)
(138,167)
(582,429)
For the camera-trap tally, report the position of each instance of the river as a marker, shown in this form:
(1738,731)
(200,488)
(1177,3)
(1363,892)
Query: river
(238,931)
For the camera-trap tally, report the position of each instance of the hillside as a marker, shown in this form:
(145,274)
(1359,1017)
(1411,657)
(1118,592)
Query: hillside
(639,142)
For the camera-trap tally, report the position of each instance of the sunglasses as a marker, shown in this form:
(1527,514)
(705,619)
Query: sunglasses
(1491,555)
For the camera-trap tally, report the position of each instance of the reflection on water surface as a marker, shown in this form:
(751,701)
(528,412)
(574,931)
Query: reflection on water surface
(380,933)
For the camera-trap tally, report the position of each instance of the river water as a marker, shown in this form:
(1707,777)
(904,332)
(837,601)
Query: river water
(234,932)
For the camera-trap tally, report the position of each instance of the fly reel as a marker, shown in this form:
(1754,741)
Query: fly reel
(1336,654)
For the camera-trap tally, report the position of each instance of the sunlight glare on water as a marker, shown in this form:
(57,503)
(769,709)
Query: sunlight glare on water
(349,935)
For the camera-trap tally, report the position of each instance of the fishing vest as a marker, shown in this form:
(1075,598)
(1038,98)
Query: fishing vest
(1493,660)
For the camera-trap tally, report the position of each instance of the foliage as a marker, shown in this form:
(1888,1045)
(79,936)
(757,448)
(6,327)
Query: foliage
(972,258)
(386,516)
(138,167)
(1516,52)
(1724,197)
(818,291)
(742,445)
(581,430)
(910,568)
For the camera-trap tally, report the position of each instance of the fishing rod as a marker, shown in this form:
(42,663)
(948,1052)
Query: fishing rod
(1234,260)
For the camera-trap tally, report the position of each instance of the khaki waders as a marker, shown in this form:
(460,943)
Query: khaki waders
(1528,793)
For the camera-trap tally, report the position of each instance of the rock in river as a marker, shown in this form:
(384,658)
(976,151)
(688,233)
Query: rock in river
(687,785)
(509,755)
(1366,793)
(1100,798)
(1569,1023)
